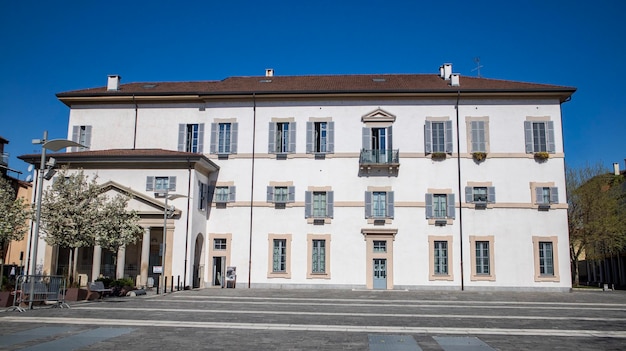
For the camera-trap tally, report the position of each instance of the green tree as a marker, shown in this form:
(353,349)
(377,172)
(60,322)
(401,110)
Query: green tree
(14,214)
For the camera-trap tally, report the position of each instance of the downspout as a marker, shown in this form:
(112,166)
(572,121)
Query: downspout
(458,160)
(135,131)
(252,188)
(187,224)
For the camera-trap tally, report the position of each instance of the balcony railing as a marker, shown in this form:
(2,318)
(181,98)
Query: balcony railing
(379,157)
(4,159)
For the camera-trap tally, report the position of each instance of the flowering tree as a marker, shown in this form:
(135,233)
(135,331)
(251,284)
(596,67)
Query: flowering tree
(14,214)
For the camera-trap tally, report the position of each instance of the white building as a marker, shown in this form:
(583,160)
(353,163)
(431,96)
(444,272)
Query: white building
(347,181)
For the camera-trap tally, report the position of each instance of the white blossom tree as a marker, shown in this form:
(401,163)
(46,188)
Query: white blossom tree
(14,214)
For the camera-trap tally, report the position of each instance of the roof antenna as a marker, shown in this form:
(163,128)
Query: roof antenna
(478,66)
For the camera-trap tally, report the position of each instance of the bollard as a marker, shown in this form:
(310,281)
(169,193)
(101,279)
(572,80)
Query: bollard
(178,284)
(164,284)
(172,285)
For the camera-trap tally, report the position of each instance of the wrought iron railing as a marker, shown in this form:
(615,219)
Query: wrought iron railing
(379,157)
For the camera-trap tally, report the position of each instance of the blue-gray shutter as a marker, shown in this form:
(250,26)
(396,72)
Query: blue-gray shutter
(554,195)
(292,137)
(550,136)
(149,183)
(292,193)
(211,191)
(330,137)
(449,144)
(368,204)
(201,138)
(539,195)
(271,145)
(310,136)
(270,194)
(367,138)
(182,131)
(231,193)
(450,203)
(389,145)
(308,204)
(491,194)
(330,204)
(429,206)
(213,147)
(234,131)
(428,138)
(478,134)
(469,192)
(528,136)
(75,136)
(87,142)
(390,209)
(172,184)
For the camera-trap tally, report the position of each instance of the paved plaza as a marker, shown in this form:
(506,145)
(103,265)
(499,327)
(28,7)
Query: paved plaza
(306,319)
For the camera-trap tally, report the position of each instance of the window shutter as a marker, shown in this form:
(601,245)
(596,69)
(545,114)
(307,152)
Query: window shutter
(75,136)
(368,204)
(429,206)
(550,136)
(469,192)
(271,145)
(292,136)
(211,191)
(308,204)
(390,209)
(149,183)
(450,209)
(213,147)
(172,184)
(528,136)
(554,195)
(201,138)
(292,193)
(270,194)
(367,138)
(87,142)
(539,195)
(389,145)
(310,136)
(231,193)
(491,194)
(449,143)
(234,130)
(330,204)
(428,138)
(182,129)
(330,137)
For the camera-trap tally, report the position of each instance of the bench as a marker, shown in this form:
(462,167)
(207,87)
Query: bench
(99,288)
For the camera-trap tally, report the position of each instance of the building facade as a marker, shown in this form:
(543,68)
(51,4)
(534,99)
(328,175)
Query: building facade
(359,181)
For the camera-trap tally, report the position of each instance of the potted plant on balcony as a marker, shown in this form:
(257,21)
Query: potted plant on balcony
(541,156)
(438,156)
(479,156)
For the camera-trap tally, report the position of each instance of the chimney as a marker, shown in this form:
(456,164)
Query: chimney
(616,168)
(445,71)
(269,72)
(113,83)
(454,80)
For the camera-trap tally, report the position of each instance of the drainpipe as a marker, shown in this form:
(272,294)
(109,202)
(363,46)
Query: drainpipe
(135,131)
(187,224)
(252,188)
(458,161)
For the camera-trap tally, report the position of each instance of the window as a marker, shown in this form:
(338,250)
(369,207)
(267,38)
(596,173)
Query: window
(441,257)
(438,136)
(480,194)
(282,137)
(202,195)
(380,246)
(160,184)
(190,137)
(318,258)
(81,135)
(379,204)
(482,257)
(546,262)
(219,244)
(224,194)
(544,196)
(539,136)
(279,255)
(281,194)
(318,204)
(224,138)
(440,206)
(320,137)
(478,136)
(378,146)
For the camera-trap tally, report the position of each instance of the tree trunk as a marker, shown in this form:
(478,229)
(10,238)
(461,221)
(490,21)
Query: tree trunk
(74,268)
(576,273)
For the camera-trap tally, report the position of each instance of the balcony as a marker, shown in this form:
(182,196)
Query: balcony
(383,162)
(4,159)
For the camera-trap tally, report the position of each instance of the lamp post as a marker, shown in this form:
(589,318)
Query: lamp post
(54,145)
(166,213)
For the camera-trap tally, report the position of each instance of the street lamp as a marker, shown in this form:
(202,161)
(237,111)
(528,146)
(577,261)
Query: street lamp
(53,145)
(167,212)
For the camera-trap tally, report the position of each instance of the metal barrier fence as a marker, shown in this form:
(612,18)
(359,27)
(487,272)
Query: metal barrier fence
(39,289)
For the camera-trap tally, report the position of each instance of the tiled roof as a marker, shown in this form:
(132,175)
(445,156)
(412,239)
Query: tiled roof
(322,84)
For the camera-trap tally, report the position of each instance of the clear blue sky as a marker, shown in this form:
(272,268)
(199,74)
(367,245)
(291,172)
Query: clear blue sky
(48,47)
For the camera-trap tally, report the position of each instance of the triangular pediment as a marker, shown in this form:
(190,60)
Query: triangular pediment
(378,115)
(142,204)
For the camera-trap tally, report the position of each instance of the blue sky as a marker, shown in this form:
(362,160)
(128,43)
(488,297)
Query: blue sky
(49,47)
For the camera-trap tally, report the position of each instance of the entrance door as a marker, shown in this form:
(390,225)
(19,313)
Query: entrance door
(219,269)
(380,273)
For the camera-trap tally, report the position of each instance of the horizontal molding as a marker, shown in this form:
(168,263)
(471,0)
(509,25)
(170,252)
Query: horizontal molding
(403,155)
(403,204)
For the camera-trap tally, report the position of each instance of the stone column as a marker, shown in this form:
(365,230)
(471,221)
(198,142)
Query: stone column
(121,262)
(145,257)
(95,265)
